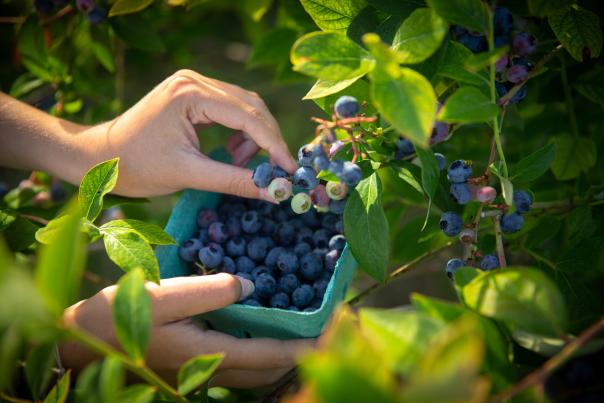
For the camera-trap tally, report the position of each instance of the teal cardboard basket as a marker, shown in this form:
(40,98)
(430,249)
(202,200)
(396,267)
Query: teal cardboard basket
(243,320)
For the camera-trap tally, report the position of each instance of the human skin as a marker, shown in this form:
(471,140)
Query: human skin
(158,146)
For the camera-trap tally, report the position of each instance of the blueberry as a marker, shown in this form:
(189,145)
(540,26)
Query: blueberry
(320,286)
(262,175)
(233,226)
(57,192)
(450,223)
(337,242)
(328,221)
(271,257)
(284,234)
(189,249)
(522,201)
(489,262)
(404,148)
(303,296)
(279,172)
(280,189)
(331,258)
(244,275)
(517,74)
(511,223)
(336,190)
(268,227)
(311,266)
(440,132)
(302,248)
(251,302)
(216,246)
(228,265)
(319,196)
(251,222)
(210,256)
(280,300)
(524,44)
(339,226)
(218,232)
(337,206)
(336,167)
(306,155)
(245,264)
(301,203)
(265,208)
(453,265)
(351,174)
(459,171)
(236,247)
(206,217)
(321,238)
(257,249)
(460,192)
(476,43)
(311,218)
(203,236)
(503,88)
(304,234)
(442,162)
(305,178)
(520,95)
(486,194)
(502,63)
(261,270)
(502,21)
(288,283)
(266,285)
(96,15)
(320,162)
(287,262)
(346,107)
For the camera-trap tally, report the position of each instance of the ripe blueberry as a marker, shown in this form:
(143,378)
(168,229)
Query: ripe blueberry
(271,257)
(459,171)
(489,262)
(257,249)
(265,286)
(288,283)
(321,238)
(284,234)
(305,178)
(228,265)
(311,266)
(302,248)
(206,217)
(251,222)
(337,242)
(251,302)
(331,258)
(287,262)
(236,246)
(453,265)
(189,249)
(245,264)
(218,232)
(280,300)
(346,107)
(512,222)
(442,162)
(210,256)
(262,175)
(303,296)
(404,148)
(460,192)
(261,270)
(522,201)
(450,223)
(351,174)
(320,286)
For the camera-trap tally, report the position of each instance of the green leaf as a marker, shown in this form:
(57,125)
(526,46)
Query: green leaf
(591,85)
(330,56)
(542,8)
(111,379)
(367,20)
(546,346)
(33,51)
(430,176)
(61,263)
(472,14)
(507,188)
(137,394)
(521,295)
(408,102)
(453,66)
(20,197)
(128,6)
(578,30)
(273,47)
(197,371)
(25,84)
(400,7)
(58,394)
(256,9)
(97,182)
(479,61)
(7,217)
(367,228)
(129,250)
(137,32)
(574,155)
(420,35)
(323,88)
(468,105)
(47,234)
(534,165)
(115,200)
(132,314)
(405,173)
(151,232)
(333,15)
(39,368)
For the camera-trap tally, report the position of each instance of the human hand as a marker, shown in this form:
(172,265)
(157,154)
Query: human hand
(175,339)
(158,146)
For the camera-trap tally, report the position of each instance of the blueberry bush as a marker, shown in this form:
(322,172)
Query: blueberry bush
(461,129)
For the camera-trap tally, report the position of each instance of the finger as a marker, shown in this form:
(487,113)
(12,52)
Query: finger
(218,104)
(201,172)
(234,141)
(245,152)
(182,297)
(245,379)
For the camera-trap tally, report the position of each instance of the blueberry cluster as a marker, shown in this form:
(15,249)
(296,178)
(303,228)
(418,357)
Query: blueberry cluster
(289,257)
(312,159)
(458,174)
(512,68)
(94,11)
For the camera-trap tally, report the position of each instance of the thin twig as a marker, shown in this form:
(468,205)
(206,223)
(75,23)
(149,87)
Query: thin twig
(35,218)
(499,241)
(552,364)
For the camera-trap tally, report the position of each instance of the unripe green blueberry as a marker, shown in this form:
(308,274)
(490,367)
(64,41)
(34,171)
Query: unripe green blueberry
(280,189)
(467,235)
(336,190)
(322,209)
(301,203)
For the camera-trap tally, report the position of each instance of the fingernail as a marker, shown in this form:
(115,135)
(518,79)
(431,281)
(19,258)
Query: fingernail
(247,287)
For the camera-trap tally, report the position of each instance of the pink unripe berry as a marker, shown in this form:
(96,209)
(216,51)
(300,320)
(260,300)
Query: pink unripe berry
(335,147)
(301,203)
(524,44)
(486,194)
(319,196)
(467,235)
(336,190)
(280,189)
(517,74)
(501,64)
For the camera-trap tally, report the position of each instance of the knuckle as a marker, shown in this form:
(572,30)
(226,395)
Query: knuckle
(238,186)
(180,86)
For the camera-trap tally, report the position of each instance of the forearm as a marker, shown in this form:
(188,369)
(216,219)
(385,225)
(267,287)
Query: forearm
(33,140)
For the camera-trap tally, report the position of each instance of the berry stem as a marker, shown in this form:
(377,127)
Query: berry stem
(552,364)
(499,242)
